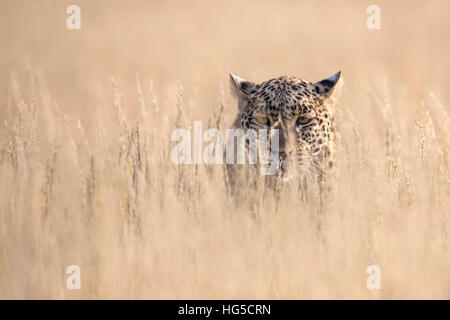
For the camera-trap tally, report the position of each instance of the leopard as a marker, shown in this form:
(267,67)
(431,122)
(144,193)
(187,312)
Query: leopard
(301,113)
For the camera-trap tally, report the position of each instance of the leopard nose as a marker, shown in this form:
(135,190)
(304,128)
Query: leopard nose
(284,162)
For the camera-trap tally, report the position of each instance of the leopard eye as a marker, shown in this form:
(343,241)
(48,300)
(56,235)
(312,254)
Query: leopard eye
(303,120)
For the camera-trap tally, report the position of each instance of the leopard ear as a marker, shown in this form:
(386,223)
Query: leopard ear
(240,87)
(327,87)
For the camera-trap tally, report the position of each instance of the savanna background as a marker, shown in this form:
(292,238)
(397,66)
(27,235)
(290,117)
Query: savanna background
(86,177)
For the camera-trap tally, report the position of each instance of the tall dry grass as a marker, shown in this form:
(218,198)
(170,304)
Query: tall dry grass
(86,177)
